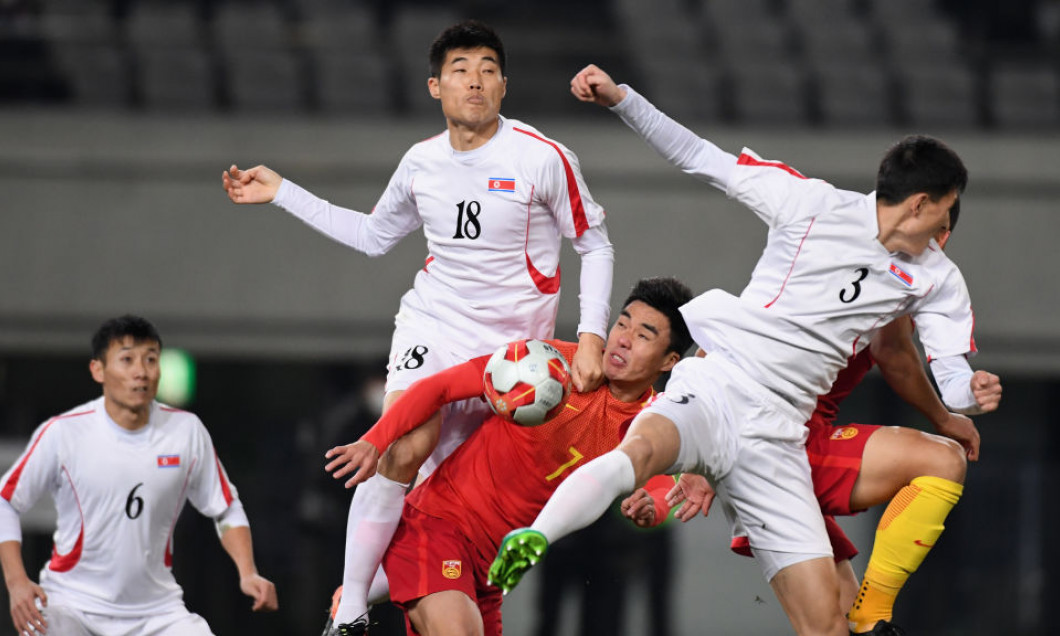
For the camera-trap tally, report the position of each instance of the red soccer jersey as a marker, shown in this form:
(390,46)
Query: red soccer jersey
(503,474)
(851,376)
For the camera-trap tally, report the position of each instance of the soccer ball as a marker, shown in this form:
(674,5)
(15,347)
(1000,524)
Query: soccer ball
(527,382)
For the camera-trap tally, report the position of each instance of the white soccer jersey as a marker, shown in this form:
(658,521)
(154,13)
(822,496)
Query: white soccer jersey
(118,494)
(824,283)
(493,218)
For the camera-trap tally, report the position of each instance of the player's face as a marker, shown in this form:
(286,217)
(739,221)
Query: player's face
(637,345)
(129,373)
(933,219)
(470,87)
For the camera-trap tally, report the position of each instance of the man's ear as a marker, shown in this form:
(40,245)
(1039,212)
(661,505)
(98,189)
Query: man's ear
(916,202)
(671,359)
(95,367)
(432,87)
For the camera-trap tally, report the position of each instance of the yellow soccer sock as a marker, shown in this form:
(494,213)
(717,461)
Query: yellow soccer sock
(908,529)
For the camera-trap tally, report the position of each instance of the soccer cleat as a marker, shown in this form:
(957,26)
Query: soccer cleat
(882,628)
(358,627)
(520,550)
(329,626)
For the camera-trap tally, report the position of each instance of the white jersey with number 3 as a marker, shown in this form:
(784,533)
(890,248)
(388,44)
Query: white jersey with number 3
(118,495)
(823,286)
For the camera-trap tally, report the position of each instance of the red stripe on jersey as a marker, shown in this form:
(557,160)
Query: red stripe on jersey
(747,160)
(577,209)
(427,262)
(225,488)
(66,562)
(971,338)
(545,284)
(12,482)
(167,558)
(797,252)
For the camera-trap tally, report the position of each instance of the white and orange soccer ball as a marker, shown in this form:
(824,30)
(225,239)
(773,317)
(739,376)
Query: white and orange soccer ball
(527,382)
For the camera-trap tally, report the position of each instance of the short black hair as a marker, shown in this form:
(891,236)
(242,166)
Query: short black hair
(469,34)
(666,295)
(920,164)
(118,328)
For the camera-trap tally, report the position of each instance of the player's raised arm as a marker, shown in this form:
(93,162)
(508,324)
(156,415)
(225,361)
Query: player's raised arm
(675,143)
(254,185)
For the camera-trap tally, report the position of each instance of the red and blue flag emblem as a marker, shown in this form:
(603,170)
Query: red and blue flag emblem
(902,275)
(168,461)
(502,185)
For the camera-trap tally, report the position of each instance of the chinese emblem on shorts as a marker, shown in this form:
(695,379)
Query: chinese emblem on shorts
(844,432)
(451,569)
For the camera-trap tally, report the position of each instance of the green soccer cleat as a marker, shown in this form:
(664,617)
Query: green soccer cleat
(520,550)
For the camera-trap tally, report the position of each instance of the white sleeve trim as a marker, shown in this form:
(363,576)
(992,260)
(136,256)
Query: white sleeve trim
(597,274)
(678,145)
(10,522)
(234,516)
(346,226)
(953,374)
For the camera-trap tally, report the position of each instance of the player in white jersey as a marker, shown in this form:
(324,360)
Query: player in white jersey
(119,469)
(494,197)
(837,266)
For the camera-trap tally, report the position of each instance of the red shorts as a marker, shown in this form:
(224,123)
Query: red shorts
(429,555)
(835,459)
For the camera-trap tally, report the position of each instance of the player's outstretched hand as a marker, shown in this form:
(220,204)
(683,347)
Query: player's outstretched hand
(986,387)
(640,508)
(25,614)
(962,429)
(254,185)
(592,84)
(261,590)
(587,366)
(359,458)
(694,493)
(520,550)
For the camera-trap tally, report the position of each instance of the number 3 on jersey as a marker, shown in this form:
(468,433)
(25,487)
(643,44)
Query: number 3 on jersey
(467,223)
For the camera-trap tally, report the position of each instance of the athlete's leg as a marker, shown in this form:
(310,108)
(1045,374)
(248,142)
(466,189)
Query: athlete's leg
(448,613)
(375,511)
(924,474)
(64,620)
(848,584)
(809,593)
(649,448)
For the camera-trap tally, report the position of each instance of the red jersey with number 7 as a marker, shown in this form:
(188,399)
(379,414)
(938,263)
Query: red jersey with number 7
(501,476)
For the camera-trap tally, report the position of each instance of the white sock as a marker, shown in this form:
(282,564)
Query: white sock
(379,590)
(374,515)
(586,495)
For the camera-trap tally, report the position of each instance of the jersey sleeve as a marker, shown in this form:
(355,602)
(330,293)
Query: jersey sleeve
(209,489)
(566,194)
(395,214)
(776,192)
(424,397)
(944,319)
(36,471)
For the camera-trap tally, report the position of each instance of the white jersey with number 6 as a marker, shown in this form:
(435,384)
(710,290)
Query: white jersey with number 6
(118,495)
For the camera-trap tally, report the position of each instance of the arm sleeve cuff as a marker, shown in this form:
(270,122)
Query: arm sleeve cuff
(233,517)
(953,374)
(10,523)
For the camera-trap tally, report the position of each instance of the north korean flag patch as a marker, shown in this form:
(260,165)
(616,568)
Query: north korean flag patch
(902,275)
(168,461)
(501,185)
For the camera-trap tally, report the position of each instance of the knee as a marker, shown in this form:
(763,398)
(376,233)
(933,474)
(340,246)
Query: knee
(949,461)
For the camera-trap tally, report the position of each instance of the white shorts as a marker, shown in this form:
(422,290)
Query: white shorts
(764,484)
(416,353)
(64,620)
